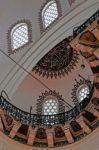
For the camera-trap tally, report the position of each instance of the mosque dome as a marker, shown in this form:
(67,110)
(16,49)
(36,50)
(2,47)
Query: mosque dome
(49,74)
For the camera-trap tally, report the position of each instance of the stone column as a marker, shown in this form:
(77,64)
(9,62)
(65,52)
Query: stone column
(83,125)
(50,139)
(68,134)
(95,29)
(95,93)
(15,128)
(96,53)
(79,47)
(93,110)
(31,135)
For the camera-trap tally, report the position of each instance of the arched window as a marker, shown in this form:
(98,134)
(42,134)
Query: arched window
(50,106)
(49,13)
(19,36)
(49,103)
(83,92)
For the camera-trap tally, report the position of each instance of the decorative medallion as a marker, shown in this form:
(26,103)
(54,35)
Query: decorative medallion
(53,95)
(58,62)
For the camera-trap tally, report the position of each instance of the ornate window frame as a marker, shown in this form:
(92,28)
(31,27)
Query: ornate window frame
(77,87)
(83,86)
(42,28)
(9,37)
(44,96)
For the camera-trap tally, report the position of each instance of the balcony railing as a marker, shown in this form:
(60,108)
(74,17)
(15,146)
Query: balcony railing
(81,28)
(44,120)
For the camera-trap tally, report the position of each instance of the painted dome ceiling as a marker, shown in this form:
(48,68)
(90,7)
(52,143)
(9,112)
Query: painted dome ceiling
(49,72)
(47,55)
(59,71)
(58,62)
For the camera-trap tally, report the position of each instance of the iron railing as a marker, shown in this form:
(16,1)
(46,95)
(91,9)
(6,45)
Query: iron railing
(81,28)
(43,120)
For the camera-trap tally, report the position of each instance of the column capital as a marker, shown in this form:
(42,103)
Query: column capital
(50,130)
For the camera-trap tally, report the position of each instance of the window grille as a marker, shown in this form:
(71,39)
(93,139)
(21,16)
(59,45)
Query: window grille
(49,13)
(19,36)
(50,107)
(83,92)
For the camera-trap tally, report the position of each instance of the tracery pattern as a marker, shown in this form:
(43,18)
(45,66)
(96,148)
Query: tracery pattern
(50,106)
(49,14)
(47,94)
(58,62)
(19,36)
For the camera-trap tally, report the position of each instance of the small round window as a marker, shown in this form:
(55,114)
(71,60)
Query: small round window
(50,107)
(83,92)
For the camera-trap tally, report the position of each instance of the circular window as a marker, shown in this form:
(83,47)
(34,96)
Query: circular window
(50,107)
(82,93)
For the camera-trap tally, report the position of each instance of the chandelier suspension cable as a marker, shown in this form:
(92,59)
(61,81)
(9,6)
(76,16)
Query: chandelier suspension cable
(26,70)
(32,75)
